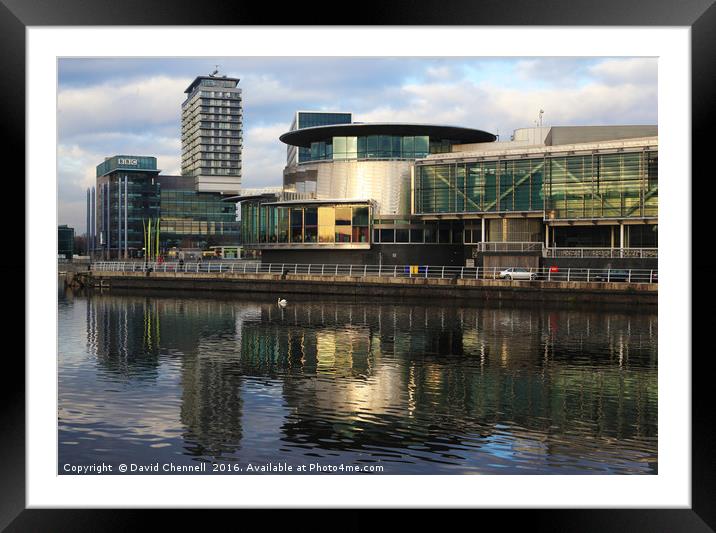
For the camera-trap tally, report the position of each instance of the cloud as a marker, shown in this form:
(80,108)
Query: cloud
(264,156)
(134,106)
(490,107)
(76,171)
(632,71)
(264,90)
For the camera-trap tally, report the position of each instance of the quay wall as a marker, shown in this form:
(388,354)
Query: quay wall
(482,289)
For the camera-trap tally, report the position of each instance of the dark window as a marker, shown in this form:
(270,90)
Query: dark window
(387,235)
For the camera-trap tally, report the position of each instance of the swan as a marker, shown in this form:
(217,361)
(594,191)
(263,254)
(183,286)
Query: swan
(281,302)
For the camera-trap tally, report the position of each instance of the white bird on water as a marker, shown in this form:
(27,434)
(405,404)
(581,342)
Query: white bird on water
(281,302)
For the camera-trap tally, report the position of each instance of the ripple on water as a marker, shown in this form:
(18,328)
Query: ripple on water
(421,388)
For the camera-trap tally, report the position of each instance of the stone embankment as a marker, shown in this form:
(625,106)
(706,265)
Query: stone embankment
(282,284)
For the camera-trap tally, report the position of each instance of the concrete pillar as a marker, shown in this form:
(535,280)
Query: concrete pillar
(93,219)
(546,235)
(611,234)
(621,235)
(106,216)
(119,218)
(482,229)
(126,247)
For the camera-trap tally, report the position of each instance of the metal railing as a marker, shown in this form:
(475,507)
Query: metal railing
(610,253)
(527,246)
(495,246)
(391,271)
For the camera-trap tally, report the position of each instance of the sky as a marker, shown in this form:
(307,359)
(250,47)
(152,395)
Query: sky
(132,106)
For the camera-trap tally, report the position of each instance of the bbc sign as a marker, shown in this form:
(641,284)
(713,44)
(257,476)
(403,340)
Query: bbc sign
(122,161)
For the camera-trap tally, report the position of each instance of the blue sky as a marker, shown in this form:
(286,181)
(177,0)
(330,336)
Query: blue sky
(133,106)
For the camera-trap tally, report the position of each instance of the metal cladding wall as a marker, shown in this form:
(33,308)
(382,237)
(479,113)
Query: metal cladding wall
(385,181)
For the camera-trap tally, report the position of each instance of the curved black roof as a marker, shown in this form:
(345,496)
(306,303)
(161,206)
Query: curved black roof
(305,136)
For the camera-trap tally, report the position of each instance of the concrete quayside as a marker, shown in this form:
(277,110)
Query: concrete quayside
(430,282)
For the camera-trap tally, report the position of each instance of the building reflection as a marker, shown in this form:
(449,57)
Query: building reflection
(429,380)
(124,335)
(397,376)
(134,337)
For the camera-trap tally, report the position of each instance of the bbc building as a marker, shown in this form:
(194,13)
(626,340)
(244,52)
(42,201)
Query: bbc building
(131,193)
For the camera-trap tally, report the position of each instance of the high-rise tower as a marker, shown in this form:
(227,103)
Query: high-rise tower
(212,134)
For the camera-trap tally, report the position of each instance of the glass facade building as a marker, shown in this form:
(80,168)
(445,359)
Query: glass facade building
(350,174)
(485,186)
(377,147)
(65,241)
(332,224)
(311,119)
(212,138)
(586,194)
(191,219)
(127,199)
(595,185)
(442,193)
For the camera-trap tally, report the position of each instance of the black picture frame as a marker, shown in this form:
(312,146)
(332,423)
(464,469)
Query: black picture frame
(699,15)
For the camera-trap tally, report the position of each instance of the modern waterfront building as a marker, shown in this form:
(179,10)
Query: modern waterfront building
(127,197)
(353,186)
(212,138)
(90,230)
(65,241)
(310,119)
(427,194)
(193,219)
(593,187)
(131,193)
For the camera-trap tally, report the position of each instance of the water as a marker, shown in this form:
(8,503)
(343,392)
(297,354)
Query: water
(433,387)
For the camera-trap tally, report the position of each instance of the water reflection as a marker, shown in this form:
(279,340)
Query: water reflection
(418,388)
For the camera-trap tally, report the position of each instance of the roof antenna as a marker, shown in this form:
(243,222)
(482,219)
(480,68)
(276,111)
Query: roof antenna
(216,71)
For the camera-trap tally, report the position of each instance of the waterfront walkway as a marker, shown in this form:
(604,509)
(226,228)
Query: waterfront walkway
(623,286)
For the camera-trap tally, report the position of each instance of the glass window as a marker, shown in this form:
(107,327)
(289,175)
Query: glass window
(408,147)
(296,225)
(384,148)
(339,147)
(397,146)
(387,235)
(310,234)
(360,234)
(402,235)
(326,224)
(351,147)
(343,234)
(372,146)
(343,216)
(416,235)
(310,216)
(444,235)
(360,216)
(362,146)
(310,222)
(421,146)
